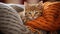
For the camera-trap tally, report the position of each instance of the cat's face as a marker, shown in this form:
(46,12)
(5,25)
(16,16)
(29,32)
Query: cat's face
(33,11)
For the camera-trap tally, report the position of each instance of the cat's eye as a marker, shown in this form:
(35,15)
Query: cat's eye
(25,13)
(36,12)
(29,13)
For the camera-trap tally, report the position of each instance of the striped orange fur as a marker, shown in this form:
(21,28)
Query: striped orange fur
(50,20)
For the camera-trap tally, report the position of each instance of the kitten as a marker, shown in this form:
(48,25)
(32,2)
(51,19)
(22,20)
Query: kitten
(33,11)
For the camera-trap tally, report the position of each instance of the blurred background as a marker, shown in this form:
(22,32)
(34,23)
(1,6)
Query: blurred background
(22,1)
(13,1)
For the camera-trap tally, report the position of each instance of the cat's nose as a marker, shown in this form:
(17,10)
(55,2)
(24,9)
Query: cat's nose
(32,15)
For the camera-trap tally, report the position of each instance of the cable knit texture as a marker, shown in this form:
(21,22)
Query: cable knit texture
(10,21)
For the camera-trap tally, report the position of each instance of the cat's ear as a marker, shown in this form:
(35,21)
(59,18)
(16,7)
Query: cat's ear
(26,4)
(40,5)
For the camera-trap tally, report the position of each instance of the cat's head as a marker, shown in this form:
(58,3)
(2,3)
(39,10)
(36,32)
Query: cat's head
(33,11)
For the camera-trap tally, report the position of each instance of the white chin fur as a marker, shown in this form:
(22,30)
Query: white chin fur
(32,18)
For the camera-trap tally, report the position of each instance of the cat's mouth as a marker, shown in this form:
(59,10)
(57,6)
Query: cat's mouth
(32,18)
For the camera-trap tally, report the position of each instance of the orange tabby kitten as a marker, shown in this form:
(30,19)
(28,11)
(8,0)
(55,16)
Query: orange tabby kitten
(33,11)
(50,20)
